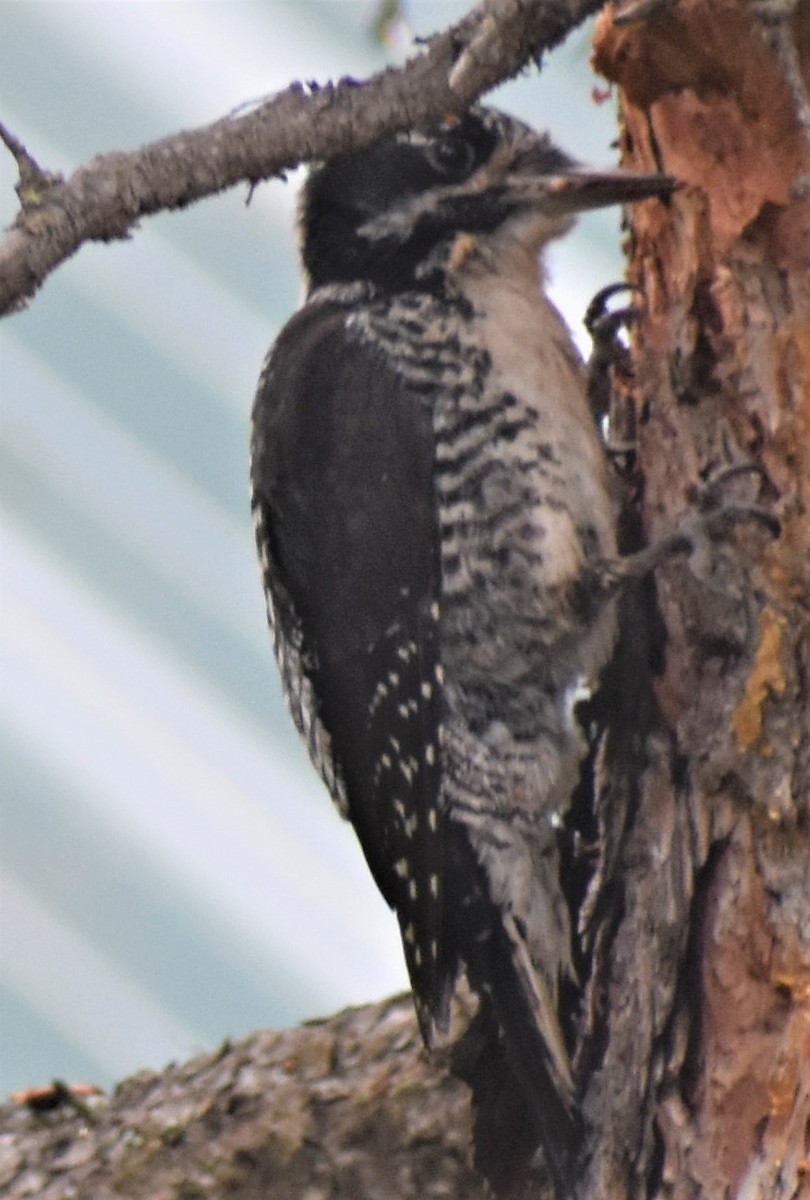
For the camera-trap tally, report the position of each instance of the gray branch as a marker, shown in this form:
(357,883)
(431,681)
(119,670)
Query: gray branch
(104,199)
(346,1107)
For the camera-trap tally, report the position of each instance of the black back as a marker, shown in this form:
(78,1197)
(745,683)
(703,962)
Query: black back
(342,479)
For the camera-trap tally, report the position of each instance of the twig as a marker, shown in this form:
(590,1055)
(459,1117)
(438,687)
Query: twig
(34,181)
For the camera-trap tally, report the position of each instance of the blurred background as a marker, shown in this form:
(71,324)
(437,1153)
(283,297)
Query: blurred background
(172,870)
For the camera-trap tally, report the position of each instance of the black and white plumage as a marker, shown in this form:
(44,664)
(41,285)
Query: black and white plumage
(430,498)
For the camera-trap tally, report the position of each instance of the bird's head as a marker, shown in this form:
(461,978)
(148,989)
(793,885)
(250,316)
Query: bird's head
(381,213)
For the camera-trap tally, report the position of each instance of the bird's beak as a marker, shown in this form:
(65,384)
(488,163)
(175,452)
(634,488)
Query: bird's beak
(581,188)
(576,189)
(543,177)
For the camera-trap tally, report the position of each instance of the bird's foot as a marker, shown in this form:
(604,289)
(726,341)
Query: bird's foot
(710,520)
(610,371)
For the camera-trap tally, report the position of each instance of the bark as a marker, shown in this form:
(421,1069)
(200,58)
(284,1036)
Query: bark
(345,1107)
(711,964)
(692,1028)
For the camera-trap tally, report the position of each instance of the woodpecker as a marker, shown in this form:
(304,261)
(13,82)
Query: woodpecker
(430,500)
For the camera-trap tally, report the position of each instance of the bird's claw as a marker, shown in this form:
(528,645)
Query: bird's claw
(707,521)
(718,513)
(599,317)
(610,368)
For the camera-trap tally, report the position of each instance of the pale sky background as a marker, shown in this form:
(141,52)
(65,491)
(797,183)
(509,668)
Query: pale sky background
(172,870)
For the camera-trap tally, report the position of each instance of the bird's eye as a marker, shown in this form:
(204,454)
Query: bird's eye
(450,156)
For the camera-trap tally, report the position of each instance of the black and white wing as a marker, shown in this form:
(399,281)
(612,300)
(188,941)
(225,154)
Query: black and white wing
(345,519)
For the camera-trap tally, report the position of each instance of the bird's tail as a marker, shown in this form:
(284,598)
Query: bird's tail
(514,1059)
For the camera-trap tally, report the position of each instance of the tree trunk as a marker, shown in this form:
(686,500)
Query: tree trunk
(711,961)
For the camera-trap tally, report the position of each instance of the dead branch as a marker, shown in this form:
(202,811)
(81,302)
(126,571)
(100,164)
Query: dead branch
(104,199)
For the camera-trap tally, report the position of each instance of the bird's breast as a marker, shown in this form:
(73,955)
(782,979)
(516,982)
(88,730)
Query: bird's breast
(525,505)
(522,493)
